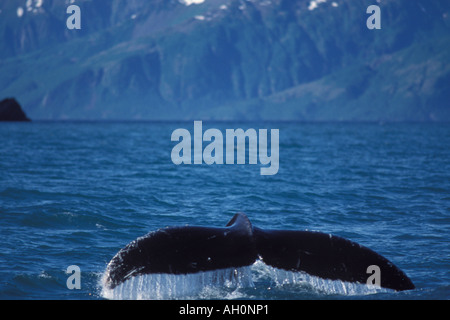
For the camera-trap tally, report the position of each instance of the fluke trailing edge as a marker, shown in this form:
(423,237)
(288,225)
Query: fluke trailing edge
(183,250)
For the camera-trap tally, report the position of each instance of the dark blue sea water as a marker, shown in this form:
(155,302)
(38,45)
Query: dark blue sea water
(75,193)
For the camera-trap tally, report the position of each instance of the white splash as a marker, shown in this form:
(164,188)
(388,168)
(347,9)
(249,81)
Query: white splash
(315,4)
(19,12)
(282,278)
(170,286)
(189,2)
(227,284)
(34,6)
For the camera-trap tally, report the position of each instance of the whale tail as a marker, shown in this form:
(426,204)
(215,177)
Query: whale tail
(192,249)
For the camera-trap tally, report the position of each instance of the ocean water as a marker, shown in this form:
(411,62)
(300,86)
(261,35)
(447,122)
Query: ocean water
(74,193)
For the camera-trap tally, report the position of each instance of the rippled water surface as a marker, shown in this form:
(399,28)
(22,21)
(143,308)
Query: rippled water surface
(75,193)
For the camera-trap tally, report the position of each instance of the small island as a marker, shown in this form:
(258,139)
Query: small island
(10,110)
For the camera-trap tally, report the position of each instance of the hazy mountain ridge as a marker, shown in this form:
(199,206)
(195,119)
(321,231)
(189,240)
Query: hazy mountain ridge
(286,60)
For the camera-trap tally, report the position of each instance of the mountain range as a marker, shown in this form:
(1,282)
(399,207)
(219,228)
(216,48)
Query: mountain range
(227,60)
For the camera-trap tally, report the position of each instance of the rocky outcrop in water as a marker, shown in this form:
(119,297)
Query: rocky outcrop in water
(10,110)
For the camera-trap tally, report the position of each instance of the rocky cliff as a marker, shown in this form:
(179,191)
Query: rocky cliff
(228,59)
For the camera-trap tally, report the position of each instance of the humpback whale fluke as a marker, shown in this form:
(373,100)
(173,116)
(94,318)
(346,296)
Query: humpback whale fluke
(192,249)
